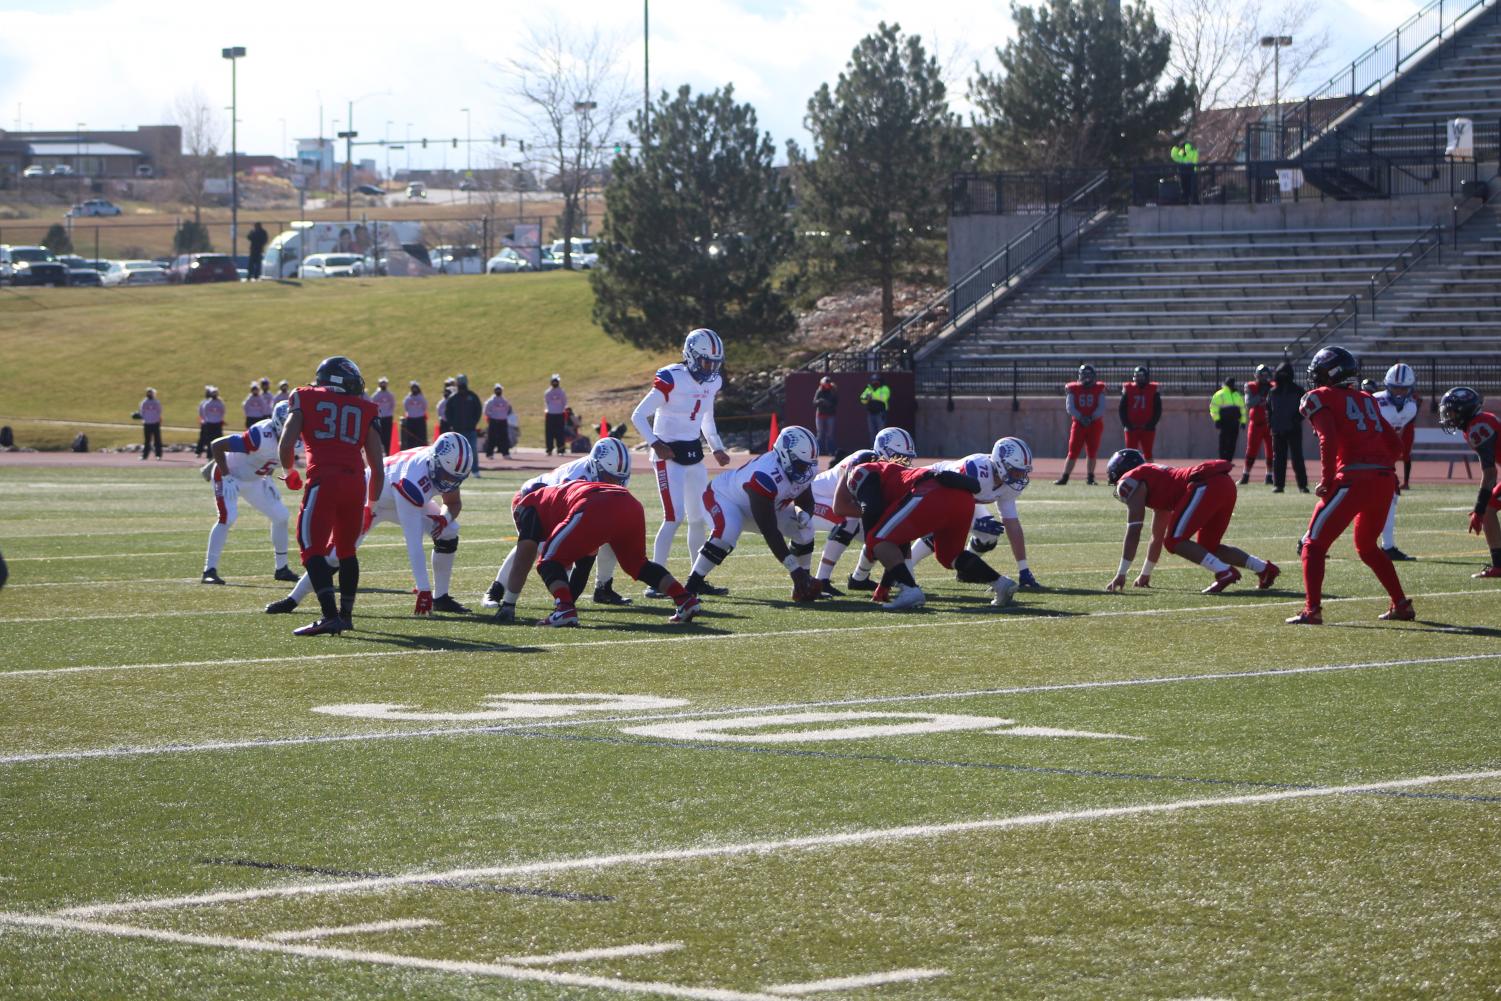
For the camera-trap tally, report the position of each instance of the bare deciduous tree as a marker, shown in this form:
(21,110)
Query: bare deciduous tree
(199,159)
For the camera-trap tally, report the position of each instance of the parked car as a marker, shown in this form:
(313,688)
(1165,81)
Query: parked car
(80,271)
(31,266)
(467,184)
(583,255)
(507,262)
(453,260)
(134,273)
(35,170)
(416,190)
(195,269)
(369,189)
(94,207)
(546,261)
(62,170)
(332,266)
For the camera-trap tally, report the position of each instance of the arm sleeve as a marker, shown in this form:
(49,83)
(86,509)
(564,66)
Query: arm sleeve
(1072,405)
(711,430)
(413,528)
(1124,421)
(868,494)
(1156,412)
(957,481)
(641,416)
(1006,503)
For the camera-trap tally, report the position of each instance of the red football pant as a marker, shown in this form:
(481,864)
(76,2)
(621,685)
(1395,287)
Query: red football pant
(1081,438)
(1203,512)
(331,516)
(605,519)
(942,512)
(1258,443)
(1364,497)
(1141,440)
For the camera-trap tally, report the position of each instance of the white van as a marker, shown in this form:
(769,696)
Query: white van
(389,248)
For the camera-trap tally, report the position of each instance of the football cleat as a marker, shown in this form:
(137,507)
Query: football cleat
(605,594)
(1222,580)
(286,574)
(828,590)
(860,583)
(710,590)
(1307,617)
(1397,556)
(690,607)
(1487,572)
(1267,576)
(1089,481)
(908,597)
(505,614)
(494,595)
(1028,581)
(652,592)
(445,603)
(561,618)
(1400,612)
(282,607)
(206,470)
(347,621)
(1268,481)
(1061,481)
(1245,478)
(1005,590)
(211,576)
(323,627)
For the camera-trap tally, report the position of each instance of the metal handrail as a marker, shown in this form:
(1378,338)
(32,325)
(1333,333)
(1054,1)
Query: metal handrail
(1403,261)
(1349,305)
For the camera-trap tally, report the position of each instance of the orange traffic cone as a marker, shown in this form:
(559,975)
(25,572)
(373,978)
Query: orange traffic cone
(395,436)
(774,432)
(604,428)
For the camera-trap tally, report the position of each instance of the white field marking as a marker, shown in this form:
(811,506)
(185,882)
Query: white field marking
(722,730)
(837,840)
(259,551)
(855,983)
(308,934)
(693,637)
(500,970)
(532,705)
(304,741)
(585,955)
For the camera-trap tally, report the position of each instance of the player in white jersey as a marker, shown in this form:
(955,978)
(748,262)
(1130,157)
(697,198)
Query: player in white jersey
(891,444)
(674,415)
(774,492)
(609,461)
(1003,475)
(241,467)
(422,496)
(1399,408)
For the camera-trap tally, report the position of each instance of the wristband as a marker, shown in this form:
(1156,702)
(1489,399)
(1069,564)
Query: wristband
(790,562)
(1147,567)
(1125,568)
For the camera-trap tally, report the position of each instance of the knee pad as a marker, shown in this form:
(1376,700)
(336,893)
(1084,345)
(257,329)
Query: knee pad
(552,573)
(652,574)
(441,545)
(717,554)
(801,548)
(843,536)
(970,569)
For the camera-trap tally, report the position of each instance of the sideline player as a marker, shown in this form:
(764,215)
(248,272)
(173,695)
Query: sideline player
(416,479)
(1197,501)
(1258,427)
(1357,455)
(891,445)
(1140,410)
(674,415)
(565,525)
(1460,412)
(1085,402)
(773,492)
(242,466)
(1002,475)
(1399,406)
(609,461)
(336,423)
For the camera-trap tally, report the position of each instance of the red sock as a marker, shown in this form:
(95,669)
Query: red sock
(1313,577)
(676,592)
(1381,566)
(563,594)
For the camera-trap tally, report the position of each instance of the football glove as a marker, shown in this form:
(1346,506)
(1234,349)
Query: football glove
(439,524)
(366,522)
(424,601)
(294,479)
(1477,523)
(987,532)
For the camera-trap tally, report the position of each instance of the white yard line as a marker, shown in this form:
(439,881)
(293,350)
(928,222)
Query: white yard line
(499,728)
(818,841)
(308,934)
(586,955)
(500,970)
(258,551)
(855,983)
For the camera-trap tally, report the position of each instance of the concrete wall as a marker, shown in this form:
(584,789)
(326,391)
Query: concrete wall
(973,238)
(1421,210)
(977,421)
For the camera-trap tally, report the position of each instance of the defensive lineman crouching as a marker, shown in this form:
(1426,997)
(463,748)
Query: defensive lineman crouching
(891,444)
(241,466)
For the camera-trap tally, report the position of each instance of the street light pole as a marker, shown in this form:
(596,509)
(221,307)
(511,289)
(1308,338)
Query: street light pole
(234,54)
(468,154)
(645,72)
(1276,43)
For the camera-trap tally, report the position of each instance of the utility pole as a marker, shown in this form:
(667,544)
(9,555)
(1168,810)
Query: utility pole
(234,54)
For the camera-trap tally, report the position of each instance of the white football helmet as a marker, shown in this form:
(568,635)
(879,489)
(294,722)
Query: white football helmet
(610,461)
(450,460)
(1401,376)
(797,453)
(895,445)
(703,354)
(1012,459)
(279,415)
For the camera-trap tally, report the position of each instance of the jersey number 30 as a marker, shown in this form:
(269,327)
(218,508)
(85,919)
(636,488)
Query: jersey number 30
(341,422)
(1371,415)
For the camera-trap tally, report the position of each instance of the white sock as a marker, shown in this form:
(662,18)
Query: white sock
(830,559)
(301,589)
(702,565)
(442,572)
(1255,564)
(862,571)
(921,550)
(1022,565)
(1214,564)
(217,536)
(604,567)
(698,532)
(1389,533)
(504,573)
(661,550)
(279,542)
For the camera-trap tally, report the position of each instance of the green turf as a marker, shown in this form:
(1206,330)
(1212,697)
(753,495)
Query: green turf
(515,329)
(1388,893)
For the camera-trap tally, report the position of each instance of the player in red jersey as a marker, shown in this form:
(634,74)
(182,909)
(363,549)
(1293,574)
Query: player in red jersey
(568,524)
(1188,503)
(899,505)
(337,426)
(1085,402)
(1357,479)
(1460,412)
(1141,409)
(1258,429)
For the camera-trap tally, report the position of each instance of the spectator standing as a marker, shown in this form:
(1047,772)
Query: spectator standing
(498,427)
(1141,409)
(448,385)
(1287,428)
(210,419)
(414,418)
(825,406)
(1258,433)
(151,419)
(385,404)
(254,407)
(257,241)
(1084,400)
(876,397)
(1227,408)
(554,402)
(464,410)
(283,392)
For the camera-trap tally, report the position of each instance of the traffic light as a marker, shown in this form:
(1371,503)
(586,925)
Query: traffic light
(455,142)
(502,138)
(424,144)
(617,149)
(523,145)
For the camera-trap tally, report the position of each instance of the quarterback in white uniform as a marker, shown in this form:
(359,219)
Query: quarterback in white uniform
(241,468)
(609,457)
(1399,408)
(1003,475)
(675,413)
(422,496)
(772,491)
(891,445)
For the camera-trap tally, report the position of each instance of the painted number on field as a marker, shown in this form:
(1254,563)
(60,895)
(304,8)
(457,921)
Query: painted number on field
(533,705)
(789,728)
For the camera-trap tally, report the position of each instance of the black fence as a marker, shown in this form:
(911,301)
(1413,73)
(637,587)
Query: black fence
(1337,179)
(1014,192)
(1425,141)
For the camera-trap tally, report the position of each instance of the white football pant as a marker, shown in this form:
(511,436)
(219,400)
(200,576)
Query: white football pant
(262,496)
(682,490)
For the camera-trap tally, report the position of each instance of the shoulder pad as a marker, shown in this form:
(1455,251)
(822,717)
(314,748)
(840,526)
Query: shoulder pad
(411,491)
(1480,432)
(761,482)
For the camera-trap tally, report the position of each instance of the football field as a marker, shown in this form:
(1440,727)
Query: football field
(1159,794)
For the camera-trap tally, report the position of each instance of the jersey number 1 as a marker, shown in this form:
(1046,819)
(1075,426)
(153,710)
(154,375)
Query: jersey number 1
(339,422)
(1352,411)
(696,405)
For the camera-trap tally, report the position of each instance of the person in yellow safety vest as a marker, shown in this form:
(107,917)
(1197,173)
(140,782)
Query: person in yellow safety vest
(876,397)
(1227,408)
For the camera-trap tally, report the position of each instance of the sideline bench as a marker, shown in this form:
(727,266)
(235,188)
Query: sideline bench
(1440,444)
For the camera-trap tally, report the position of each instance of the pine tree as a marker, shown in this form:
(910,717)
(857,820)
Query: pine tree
(1079,87)
(694,227)
(877,175)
